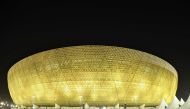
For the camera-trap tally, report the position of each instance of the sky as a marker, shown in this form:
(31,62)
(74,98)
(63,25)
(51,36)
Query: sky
(162,29)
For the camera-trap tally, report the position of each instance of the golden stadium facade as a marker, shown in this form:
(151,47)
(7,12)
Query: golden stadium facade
(94,74)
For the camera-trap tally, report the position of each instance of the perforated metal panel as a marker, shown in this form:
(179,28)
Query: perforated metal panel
(97,75)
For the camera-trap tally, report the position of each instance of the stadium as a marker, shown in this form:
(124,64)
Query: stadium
(92,76)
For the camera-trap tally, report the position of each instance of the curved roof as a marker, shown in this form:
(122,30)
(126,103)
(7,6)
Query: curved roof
(96,74)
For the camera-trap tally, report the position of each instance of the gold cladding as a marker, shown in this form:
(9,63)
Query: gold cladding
(93,74)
